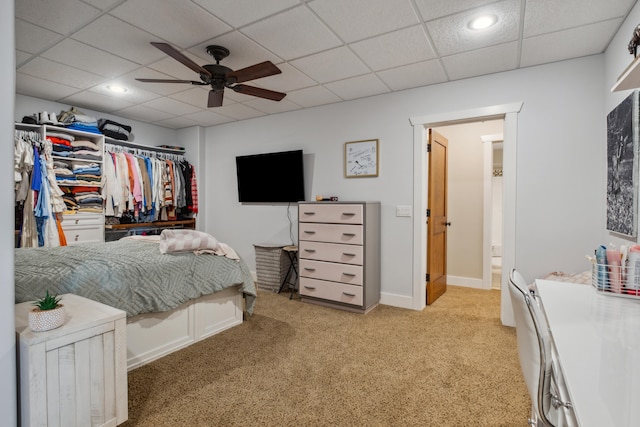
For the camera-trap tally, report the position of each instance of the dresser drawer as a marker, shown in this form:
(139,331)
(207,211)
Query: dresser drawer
(333,233)
(336,213)
(331,291)
(333,252)
(75,234)
(345,273)
(82,220)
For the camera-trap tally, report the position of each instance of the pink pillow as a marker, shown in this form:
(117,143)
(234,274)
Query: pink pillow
(186,241)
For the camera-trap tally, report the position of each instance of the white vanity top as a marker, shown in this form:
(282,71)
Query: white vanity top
(597,338)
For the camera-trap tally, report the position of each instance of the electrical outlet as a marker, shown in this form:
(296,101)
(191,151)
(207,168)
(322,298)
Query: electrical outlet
(403,210)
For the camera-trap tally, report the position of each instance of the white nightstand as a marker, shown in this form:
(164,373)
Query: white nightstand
(75,374)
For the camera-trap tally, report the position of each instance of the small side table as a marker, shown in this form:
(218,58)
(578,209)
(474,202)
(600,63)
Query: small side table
(292,253)
(75,374)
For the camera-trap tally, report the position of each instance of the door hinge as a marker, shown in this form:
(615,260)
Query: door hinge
(428,148)
(428,213)
(427,278)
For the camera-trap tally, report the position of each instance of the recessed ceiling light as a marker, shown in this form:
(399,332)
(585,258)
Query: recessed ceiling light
(117,88)
(482,22)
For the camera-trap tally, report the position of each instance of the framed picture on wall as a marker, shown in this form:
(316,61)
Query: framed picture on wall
(361,158)
(622,166)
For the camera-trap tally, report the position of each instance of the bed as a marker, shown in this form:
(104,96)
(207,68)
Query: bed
(171,299)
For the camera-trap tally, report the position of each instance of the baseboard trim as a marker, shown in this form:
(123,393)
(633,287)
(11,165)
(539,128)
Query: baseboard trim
(467,282)
(399,301)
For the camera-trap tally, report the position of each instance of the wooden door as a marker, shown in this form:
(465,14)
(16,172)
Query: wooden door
(437,217)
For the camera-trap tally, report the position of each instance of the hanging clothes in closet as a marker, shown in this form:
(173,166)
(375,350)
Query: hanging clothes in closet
(142,185)
(38,199)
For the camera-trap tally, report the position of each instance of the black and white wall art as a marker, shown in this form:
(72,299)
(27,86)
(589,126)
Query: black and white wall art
(622,166)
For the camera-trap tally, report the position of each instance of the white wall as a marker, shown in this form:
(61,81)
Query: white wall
(8,398)
(617,58)
(559,167)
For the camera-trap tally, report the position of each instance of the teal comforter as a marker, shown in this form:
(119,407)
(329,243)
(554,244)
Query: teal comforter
(128,274)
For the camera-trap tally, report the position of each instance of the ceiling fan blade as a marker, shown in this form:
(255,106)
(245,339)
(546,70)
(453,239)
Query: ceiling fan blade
(257,71)
(172,52)
(193,82)
(259,92)
(215,98)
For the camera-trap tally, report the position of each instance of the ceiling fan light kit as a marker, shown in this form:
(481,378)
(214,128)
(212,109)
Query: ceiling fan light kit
(220,77)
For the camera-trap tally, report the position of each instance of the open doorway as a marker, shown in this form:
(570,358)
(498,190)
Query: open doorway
(474,236)
(508,112)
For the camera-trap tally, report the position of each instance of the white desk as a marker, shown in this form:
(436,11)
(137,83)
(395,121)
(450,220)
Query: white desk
(597,338)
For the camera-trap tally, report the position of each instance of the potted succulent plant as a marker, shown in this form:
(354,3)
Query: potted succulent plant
(47,314)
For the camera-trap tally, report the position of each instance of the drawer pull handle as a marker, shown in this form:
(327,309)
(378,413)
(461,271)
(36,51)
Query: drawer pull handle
(348,213)
(309,232)
(311,288)
(349,234)
(348,294)
(309,269)
(310,250)
(349,274)
(309,213)
(77,221)
(348,254)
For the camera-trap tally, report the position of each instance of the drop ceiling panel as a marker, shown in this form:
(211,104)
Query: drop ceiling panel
(331,65)
(207,118)
(33,39)
(451,34)
(488,60)
(292,34)
(373,16)
(581,41)
(432,9)
(143,113)
(241,12)
(313,96)
(171,106)
(177,122)
(96,101)
(32,86)
(271,107)
(60,16)
(401,47)
(239,111)
(119,38)
(60,73)
(414,75)
(544,16)
(358,87)
(182,23)
(84,57)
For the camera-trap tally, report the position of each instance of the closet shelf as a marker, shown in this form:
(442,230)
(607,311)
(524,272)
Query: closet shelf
(630,77)
(131,144)
(191,222)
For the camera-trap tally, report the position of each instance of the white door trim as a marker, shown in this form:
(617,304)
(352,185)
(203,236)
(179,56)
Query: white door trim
(487,206)
(508,112)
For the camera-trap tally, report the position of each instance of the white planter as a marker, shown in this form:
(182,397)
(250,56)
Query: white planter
(46,320)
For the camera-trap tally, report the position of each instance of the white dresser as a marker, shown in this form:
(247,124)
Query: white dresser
(339,254)
(83,228)
(75,375)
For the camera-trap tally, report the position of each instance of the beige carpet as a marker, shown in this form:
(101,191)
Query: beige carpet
(298,364)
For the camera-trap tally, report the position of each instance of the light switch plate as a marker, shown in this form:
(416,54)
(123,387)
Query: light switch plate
(403,210)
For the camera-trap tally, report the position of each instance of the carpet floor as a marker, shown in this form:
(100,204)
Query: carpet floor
(299,364)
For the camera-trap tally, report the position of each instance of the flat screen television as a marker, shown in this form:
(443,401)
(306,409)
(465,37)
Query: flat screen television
(271,177)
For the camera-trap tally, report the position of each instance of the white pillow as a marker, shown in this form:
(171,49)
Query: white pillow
(186,241)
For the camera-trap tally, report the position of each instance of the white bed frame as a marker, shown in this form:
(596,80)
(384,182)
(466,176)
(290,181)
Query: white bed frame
(153,335)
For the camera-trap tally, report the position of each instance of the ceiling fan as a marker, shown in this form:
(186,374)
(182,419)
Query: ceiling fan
(218,76)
